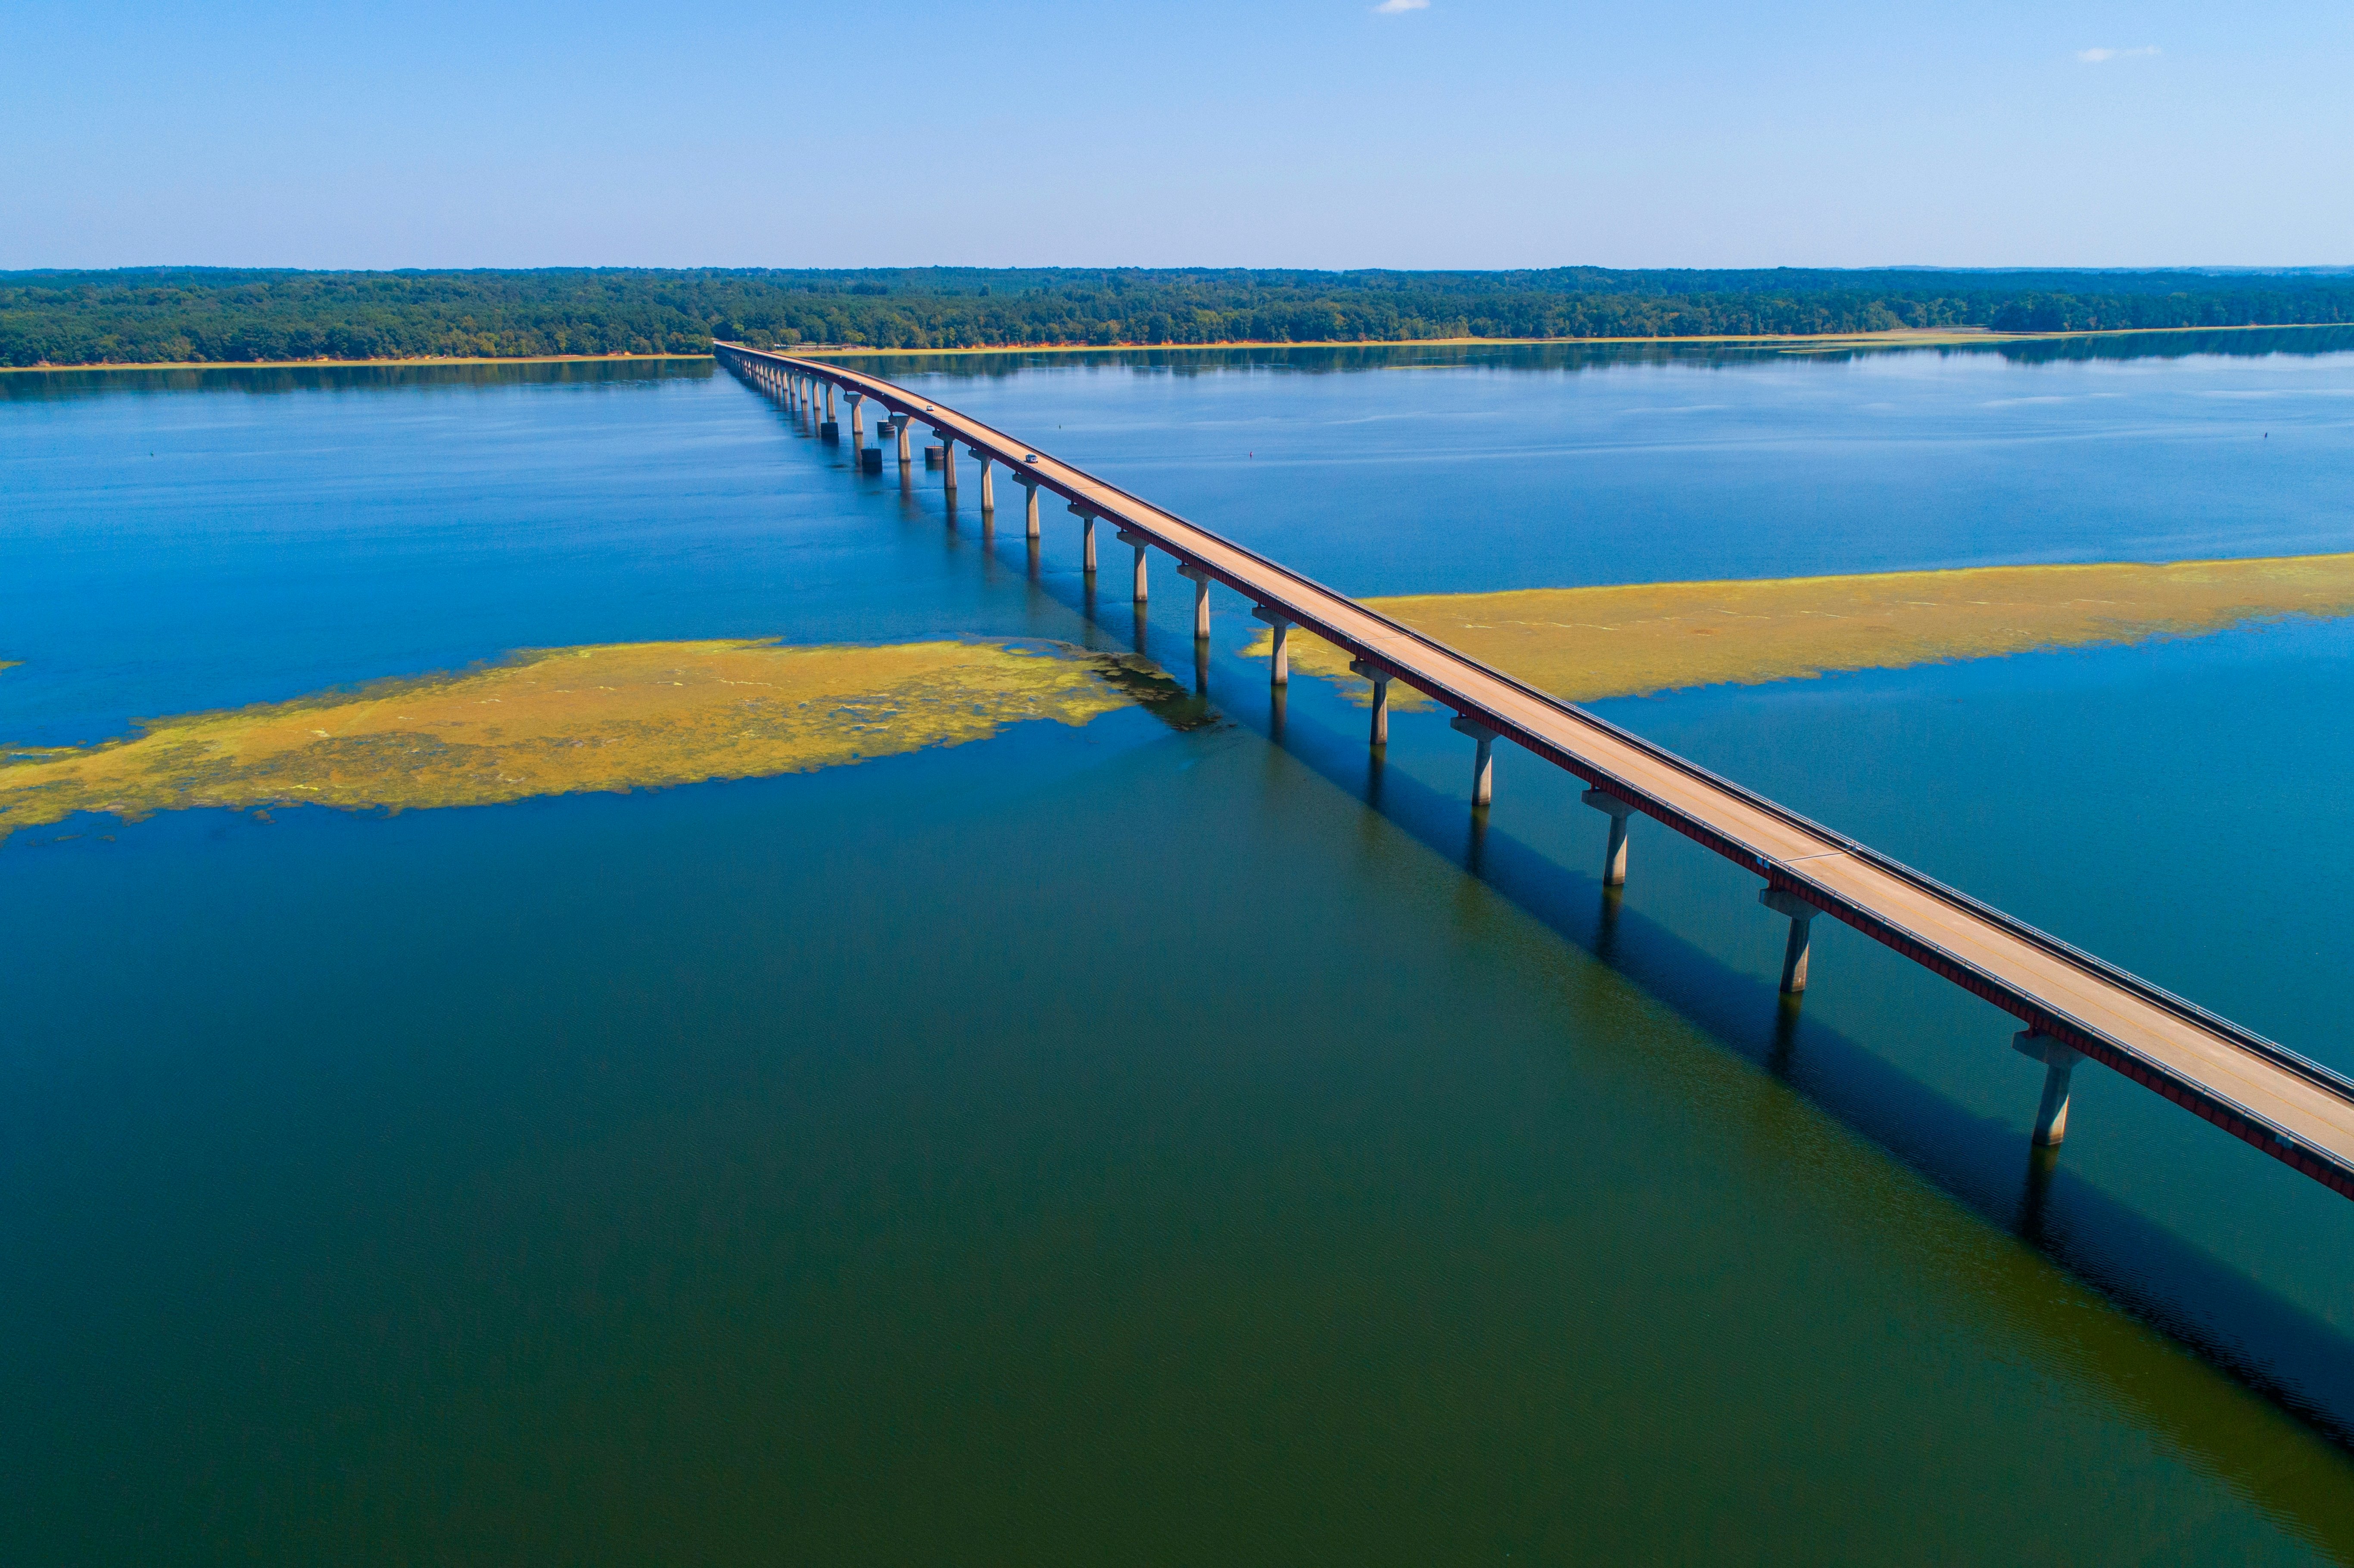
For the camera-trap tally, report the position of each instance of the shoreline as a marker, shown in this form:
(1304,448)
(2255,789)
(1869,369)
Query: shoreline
(1901,337)
(341,364)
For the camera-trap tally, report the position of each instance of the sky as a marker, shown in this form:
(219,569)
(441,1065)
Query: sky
(1411,133)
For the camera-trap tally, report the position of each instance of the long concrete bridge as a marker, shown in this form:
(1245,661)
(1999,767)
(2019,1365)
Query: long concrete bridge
(2075,1006)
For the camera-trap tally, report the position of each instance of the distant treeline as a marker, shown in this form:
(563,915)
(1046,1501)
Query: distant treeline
(212,314)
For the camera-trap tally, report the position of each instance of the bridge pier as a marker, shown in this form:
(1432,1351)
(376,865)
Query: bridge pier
(857,420)
(947,460)
(1281,674)
(1142,544)
(907,453)
(1613,856)
(988,491)
(2059,1060)
(1483,762)
(1380,680)
(1200,581)
(1030,509)
(1802,921)
(1088,533)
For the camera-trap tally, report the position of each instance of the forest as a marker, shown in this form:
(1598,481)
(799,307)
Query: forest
(227,314)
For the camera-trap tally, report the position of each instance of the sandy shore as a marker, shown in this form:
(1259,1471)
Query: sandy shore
(1901,337)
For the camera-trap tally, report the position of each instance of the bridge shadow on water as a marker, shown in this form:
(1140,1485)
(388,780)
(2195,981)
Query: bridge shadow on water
(2271,1344)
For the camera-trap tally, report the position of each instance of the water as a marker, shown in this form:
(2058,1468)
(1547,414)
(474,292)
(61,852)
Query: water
(1134,1144)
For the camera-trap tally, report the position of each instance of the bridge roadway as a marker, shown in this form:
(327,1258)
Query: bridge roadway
(2294,1109)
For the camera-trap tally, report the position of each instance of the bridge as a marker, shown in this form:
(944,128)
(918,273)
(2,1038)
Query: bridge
(2074,1005)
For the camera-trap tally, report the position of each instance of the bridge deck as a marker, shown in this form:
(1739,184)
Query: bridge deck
(2294,1109)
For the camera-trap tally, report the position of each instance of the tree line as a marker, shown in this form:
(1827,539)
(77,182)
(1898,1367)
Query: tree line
(221,314)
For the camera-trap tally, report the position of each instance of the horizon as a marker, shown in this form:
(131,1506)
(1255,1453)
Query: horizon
(2286,269)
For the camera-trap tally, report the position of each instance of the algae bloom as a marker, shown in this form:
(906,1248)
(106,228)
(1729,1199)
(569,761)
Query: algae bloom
(1587,643)
(615,717)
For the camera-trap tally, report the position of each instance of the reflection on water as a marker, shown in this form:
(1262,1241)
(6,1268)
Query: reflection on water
(268,380)
(1139,1141)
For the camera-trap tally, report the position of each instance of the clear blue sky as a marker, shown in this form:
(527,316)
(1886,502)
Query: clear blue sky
(1320,132)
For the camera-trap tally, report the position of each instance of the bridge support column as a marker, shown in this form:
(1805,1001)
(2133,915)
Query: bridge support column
(1142,544)
(988,490)
(948,457)
(1030,509)
(1380,680)
(857,420)
(2059,1060)
(1794,952)
(1483,762)
(1281,674)
(907,453)
(1088,533)
(829,400)
(1200,581)
(1613,856)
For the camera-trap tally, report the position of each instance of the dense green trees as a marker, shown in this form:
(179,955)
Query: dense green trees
(220,314)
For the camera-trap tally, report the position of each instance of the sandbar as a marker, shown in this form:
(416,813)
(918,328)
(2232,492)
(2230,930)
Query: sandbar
(612,717)
(1588,643)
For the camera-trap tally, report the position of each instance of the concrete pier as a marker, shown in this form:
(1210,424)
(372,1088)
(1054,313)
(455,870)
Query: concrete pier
(1802,924)
(947,460)
(1200,581)
(1142,544)
(1280,673)
(1483,762)
(1381,679)
(988,491)
(857,420)
(1613,856)
(1088,532)
(1030,509)
(2059,1060)
(906,451)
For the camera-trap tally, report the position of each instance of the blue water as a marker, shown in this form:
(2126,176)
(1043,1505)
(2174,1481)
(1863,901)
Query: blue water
(1134,1144)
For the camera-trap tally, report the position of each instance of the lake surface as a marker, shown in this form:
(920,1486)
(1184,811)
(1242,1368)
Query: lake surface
(1139,1143)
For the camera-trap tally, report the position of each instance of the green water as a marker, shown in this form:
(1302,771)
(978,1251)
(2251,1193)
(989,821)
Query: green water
(1143,1144)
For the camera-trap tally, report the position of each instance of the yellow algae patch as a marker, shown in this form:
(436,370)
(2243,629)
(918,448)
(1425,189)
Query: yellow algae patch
(555,721)
(1588,643)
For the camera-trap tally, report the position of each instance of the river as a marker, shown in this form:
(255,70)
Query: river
(1175,1138)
